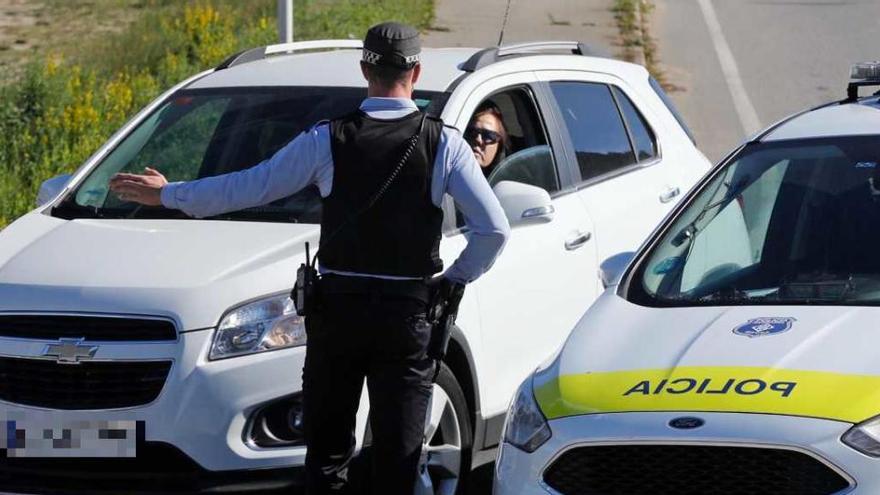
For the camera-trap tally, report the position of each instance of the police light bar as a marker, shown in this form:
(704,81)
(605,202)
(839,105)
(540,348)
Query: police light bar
(862,74)
(866,71)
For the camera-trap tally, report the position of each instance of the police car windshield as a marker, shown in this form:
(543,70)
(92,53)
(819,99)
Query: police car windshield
(792,222)
(202,133)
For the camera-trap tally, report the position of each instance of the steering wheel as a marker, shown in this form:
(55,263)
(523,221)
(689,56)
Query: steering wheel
(533,166)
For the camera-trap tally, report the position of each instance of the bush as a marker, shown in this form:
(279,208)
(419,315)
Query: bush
(61,110)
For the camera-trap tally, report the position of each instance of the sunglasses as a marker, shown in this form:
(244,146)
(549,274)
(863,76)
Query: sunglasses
(488,136)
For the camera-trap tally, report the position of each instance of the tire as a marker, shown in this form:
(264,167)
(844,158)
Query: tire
(450,390)
(449,426)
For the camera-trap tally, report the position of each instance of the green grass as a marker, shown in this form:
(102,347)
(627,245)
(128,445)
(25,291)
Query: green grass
(625,13)
(67,101)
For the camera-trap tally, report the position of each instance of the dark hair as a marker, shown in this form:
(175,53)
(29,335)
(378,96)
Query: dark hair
(386,75)
(492,109)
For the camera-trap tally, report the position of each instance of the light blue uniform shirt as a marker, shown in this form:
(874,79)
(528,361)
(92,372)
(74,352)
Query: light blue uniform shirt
(308,159)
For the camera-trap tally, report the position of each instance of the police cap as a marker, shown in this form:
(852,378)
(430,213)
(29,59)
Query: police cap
(394,44)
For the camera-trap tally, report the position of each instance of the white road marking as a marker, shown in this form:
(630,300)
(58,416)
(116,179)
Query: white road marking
(748,117)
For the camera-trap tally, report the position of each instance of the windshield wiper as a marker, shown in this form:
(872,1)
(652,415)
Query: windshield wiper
(729,295)
(260,214)
(827,290)
(71,211)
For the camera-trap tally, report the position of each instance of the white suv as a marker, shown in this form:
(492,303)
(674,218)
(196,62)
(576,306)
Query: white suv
(137,331)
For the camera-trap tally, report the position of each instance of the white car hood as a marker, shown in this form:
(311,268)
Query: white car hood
(799,360)
(189,270)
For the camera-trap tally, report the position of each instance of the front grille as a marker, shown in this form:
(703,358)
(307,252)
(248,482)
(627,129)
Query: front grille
(88,385)
(690,470)
(95,328)
(158,468)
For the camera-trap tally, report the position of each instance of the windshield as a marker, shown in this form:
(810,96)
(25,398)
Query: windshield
(202,133)
(794,222)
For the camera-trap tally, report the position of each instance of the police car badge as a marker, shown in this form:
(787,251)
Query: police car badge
(761,327)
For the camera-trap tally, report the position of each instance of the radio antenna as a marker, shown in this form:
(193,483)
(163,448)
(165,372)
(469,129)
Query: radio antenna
(504,23)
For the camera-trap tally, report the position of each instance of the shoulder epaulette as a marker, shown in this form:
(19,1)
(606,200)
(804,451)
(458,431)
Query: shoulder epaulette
(318,124)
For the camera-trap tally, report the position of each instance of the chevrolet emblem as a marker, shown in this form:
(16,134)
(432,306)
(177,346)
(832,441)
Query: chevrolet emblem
(70,351)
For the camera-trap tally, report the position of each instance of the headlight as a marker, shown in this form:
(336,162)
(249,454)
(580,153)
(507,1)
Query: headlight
(264,325)
(526,427)
(865,437)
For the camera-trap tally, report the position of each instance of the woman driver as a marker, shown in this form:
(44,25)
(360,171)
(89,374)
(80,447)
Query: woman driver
(487,136)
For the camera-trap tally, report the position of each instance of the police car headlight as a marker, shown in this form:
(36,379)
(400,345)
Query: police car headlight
(264,325)
(865,437)
(526,427)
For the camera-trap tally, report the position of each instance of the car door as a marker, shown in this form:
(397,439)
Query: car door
(622,178)
(546,276)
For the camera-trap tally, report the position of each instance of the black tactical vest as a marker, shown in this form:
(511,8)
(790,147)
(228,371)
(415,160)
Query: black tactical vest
(400,234)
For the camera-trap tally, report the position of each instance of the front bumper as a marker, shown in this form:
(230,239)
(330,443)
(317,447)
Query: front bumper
(159,469)
(517,472)
(203,409)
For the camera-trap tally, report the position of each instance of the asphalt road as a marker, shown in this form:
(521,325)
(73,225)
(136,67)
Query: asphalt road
(745,64)
(478,24)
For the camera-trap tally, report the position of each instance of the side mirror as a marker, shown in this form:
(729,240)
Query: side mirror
(51,188)
(612,268)
(524,204)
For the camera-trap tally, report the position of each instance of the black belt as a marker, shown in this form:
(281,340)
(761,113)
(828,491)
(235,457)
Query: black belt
(345,284)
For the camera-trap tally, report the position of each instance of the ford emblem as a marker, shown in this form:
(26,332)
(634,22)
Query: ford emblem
(686,423)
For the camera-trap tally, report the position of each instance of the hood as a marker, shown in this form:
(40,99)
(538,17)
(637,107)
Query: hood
(182,269)
(796,360)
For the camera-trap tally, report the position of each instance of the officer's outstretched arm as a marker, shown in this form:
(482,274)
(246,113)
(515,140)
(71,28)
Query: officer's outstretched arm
(305,160)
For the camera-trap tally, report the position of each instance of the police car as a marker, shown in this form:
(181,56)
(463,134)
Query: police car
(170,342)
(737,353)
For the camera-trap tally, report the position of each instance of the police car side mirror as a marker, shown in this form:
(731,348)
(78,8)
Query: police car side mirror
(524,204)
(51,188)
(611,270)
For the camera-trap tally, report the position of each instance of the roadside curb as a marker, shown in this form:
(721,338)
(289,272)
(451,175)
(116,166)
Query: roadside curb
(634,35)
(639,50)
(629,24)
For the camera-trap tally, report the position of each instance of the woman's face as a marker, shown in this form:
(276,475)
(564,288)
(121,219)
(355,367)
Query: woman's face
(480,136)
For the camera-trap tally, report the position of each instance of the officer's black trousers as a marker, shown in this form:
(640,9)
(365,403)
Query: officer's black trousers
(384,338)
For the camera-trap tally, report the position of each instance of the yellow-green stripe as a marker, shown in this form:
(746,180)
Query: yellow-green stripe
(819,394)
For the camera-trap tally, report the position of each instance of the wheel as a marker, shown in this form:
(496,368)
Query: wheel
(446,452)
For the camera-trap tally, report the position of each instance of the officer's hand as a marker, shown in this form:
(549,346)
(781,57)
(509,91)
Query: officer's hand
(442,286)
(145,189)
(436,282)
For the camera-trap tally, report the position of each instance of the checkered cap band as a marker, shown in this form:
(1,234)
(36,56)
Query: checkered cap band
(374,58)
(371,57)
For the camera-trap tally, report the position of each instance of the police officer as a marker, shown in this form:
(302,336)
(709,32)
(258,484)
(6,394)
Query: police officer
(376,267)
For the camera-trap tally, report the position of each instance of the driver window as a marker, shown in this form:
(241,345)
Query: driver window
(509,141)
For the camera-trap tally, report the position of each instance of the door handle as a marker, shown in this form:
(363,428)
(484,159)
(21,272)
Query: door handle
(669,194)
(578,240)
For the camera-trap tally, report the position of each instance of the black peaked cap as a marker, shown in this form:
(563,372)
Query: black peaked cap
(392,43)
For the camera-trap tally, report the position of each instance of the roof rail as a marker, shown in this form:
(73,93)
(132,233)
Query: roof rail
(263,52)
(494,54)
